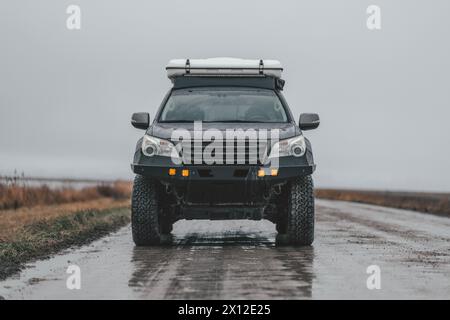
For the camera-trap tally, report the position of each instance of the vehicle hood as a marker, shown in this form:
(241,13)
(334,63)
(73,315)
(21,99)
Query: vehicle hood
(164,130)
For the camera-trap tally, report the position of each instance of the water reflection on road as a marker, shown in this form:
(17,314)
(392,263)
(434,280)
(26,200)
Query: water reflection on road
(208,265)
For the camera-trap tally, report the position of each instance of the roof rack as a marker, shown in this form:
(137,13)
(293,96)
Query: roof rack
(257,81)
(223,67)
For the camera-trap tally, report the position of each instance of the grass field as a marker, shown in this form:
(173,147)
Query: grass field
(17,192)
(37,220)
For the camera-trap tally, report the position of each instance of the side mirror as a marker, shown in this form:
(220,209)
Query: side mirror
(140,120)
(309,121)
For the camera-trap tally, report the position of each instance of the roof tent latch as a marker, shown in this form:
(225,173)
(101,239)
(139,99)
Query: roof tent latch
(188,66)
(261,66)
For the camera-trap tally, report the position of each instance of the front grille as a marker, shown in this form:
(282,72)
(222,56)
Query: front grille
(236,152)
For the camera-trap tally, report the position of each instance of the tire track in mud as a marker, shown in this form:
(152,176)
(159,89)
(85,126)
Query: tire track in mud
(199,273)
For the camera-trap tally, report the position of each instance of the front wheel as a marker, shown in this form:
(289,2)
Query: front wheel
(144,213)
(296,220)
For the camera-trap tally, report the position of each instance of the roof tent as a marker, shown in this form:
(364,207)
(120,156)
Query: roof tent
(186,73)
(224,67)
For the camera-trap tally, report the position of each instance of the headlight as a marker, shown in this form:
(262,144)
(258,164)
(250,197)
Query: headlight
(152,146)
(295,146)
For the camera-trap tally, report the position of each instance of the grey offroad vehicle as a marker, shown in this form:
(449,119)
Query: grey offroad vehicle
(166,191)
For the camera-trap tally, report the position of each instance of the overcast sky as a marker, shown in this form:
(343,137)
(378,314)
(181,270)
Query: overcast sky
(66,97)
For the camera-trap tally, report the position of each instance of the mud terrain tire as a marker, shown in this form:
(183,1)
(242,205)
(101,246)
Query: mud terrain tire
(298,219)
(144,213)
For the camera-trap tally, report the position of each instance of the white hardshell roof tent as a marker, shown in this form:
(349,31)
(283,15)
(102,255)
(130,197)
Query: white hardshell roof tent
(224,67)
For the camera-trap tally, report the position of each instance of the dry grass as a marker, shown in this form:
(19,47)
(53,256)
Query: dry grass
(436,203)
(14,195)
(22,204)
(37,220)
(13,220)
(49,235)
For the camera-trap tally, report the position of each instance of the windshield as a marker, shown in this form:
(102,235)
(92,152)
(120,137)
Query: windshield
(223,105)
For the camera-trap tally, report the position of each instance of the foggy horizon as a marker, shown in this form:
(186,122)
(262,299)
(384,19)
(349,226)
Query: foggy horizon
(66,96)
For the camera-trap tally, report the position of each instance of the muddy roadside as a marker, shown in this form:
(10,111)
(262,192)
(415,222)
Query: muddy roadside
(40,239)
(38,219)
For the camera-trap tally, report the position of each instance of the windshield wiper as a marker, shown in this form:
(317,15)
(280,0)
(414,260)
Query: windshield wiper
(177,121)
(212,121)
(236,121)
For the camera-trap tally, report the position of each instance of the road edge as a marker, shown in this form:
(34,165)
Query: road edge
(44,238)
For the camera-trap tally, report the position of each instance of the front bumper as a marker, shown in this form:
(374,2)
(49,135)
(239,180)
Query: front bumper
(158,168)
(222,186)
(221,173)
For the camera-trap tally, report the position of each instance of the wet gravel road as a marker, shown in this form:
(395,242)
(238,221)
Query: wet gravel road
(240,260)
